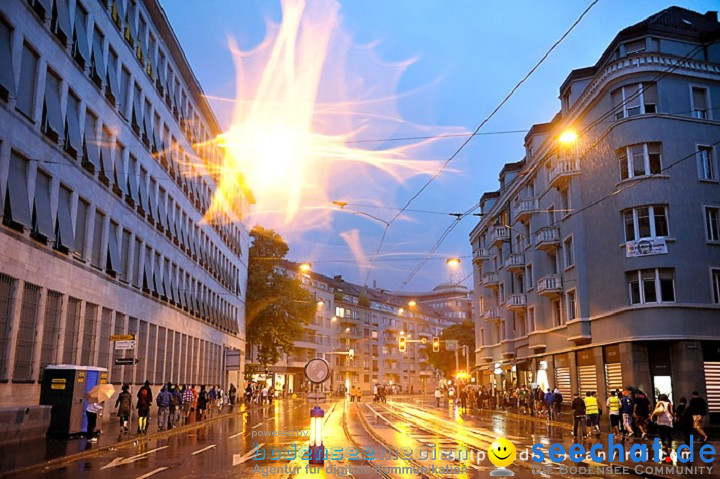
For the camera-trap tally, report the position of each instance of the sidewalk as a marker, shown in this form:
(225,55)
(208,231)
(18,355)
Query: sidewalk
(561,432)
(20,457)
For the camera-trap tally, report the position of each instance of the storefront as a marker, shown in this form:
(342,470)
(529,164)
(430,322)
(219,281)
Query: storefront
(562,374)
(586,372)
(613,368)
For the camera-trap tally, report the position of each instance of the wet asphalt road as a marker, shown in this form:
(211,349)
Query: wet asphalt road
(226,448)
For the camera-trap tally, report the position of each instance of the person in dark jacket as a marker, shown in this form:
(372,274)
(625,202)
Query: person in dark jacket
(683,419)
(175,405)
(698,409)
(578,409)
(124,408)
(202,402)
(163,402)
(144,401)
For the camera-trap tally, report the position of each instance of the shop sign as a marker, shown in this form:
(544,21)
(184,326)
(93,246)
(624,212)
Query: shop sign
(645,247)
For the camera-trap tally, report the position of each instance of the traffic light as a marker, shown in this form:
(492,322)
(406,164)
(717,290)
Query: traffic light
(402,344)
(436,344)
(351,354)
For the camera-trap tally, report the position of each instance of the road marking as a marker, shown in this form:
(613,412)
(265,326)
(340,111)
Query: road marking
(152,473)
(238,459)
(236,435)
(120,461)
(203,449)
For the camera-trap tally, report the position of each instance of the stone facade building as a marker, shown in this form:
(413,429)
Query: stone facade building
(597,262)
(105,177)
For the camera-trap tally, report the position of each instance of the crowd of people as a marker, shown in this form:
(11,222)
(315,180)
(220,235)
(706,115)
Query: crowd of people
(631,413)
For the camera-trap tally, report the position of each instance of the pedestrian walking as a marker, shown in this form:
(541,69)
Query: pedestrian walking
(463,399)
(557,403)
(144,401)
(627,407)
(123,404)
(264,393)
(175,406)
(613,406)
(163,403)
(698,410)
(592,409)
(187,403)
(550,405)
(438,396)
(231,393)
(641,413)
(92,411)
(579,416)
(663,414)
(683,419)
(202,400)
(211,398)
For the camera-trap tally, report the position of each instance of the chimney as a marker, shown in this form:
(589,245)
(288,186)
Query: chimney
(711,15)
(374,284)
(338,277)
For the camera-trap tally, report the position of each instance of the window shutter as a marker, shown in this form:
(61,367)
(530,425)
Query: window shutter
(91,146)
(162,214)
(118,13)
(73,141)
(65,233)
(106,166)
(52,118)
(136,111)
(152,207)
(112,79)
(132,183)
(61,14)
(17,191)
(146,124)
(142,191)
(26,86)
(166,280)
(42,217)
(7,77)
(113,250)
(120,180)
(81,50)
(97,63)
(147,272)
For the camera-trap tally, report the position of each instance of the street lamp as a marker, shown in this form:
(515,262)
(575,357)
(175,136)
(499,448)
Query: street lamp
(333,319)
(568,137)
(320,303)
(317,450)
(412,303)
(453,262)
(305,267)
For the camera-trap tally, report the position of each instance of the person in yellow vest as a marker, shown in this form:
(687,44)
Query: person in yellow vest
(592,409)
(613,405)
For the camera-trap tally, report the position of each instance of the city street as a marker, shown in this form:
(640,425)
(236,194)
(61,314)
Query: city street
(229,447)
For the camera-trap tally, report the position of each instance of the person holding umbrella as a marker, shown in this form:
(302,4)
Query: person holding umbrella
(95,397)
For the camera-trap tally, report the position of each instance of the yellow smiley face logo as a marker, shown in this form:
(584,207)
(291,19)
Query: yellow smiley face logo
(502,452)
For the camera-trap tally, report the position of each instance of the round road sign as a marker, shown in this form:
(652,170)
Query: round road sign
(317,370)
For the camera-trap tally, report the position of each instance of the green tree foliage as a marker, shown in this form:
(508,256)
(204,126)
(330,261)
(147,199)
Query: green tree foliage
(444,361)
(277,306)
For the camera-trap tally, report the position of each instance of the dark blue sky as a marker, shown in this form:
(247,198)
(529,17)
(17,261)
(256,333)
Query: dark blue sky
(468,55)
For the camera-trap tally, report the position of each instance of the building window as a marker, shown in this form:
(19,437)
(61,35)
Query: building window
(26,86)
(96,253)
(531,319)
(707,167)
(81,227)
(7,76)
(16,212)
(25,342)
(42,223)
(715,284)
(712,223)
(569,252)
(556,309)
(700,102)
(635,46)
(639,160)
(73,139)
(571,305)
(645,222)
(80,49)
(635,99)
(51,124)
(651,286)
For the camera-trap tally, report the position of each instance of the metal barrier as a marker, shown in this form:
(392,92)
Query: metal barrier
(17,423)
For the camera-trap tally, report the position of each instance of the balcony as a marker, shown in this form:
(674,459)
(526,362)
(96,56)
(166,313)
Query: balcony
(562,171)
(537,342)
(480,254)
(516,302)
(499,234)
(550,285)
(490,280)
(492,314)
(507,348)
(548,238)
(525,209)
(515,262)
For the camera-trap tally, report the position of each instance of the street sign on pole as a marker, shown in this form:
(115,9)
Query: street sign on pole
(451,344)
(126,361)
(124,345)
(122,337)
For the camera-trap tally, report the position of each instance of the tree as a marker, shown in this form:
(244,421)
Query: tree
(443,361)
(277,306)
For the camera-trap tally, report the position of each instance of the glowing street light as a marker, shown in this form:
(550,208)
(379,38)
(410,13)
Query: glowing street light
(453,262)
(412,303)
(305,267)
(320,303)
(568,137)
(333,319)
(401,311)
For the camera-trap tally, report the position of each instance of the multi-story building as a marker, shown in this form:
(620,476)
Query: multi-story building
(368,321)
(451,300)
(597,262)
(106,174)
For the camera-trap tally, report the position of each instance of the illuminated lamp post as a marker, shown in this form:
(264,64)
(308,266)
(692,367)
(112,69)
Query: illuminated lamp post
(317,450)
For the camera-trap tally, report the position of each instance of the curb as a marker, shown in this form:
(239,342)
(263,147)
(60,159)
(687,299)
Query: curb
(60,461)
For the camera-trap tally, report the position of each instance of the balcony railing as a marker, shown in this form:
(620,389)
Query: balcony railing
(525,208)
(562,170)
(492,314)
(490,279)
(547,238)
(549,285)
(516,302)
(480,254)
(515,262)
(500,234)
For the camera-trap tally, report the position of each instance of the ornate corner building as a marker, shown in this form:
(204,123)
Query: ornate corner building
(597,262)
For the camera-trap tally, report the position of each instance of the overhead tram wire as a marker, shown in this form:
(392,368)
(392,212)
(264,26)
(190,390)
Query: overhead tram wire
(476,131)
(682,61)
